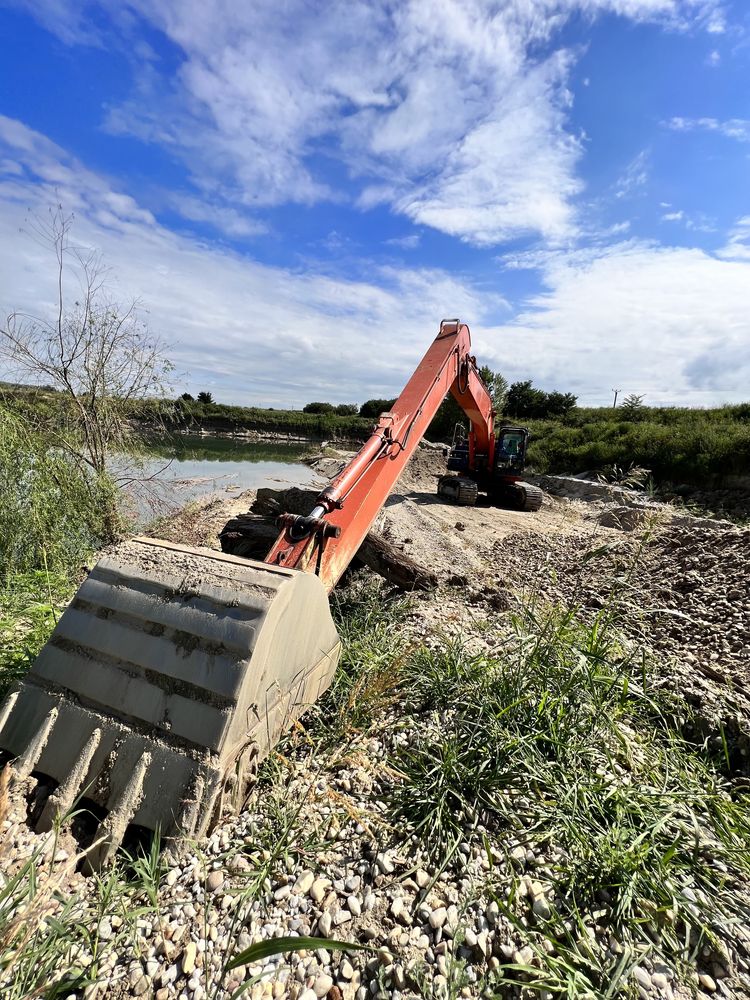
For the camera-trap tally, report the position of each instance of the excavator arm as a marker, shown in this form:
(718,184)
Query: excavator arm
(326,540)
(174,670)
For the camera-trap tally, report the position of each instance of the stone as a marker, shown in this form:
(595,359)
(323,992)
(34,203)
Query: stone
(451,919)
(659,981)
(399,911)
(325,924)
(346,969)
(385,863)
(318,889)
(523,956)
(140,986)
(188,957)
(642,977)
(354,906)
(707,982)
(541,908)
(438,917)
(214,881)
(304,883)
(322,985)
(105,929)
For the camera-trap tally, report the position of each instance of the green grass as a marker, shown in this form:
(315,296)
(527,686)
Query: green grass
(561,743)
(677,444)
(30,604)
(367,681)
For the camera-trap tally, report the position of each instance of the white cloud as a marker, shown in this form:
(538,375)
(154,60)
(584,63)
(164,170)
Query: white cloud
(738,244)
(673,216)
(732,128)
(453,112)
(669,322)
(223,218)
(268,335)
(635,175)
(404,242)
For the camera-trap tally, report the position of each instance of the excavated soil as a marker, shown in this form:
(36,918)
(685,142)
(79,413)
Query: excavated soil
(679,585)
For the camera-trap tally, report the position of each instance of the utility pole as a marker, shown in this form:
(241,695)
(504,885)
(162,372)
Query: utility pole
(616,392)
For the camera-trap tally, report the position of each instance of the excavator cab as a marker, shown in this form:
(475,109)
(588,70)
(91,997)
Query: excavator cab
(458,454)
(510,450)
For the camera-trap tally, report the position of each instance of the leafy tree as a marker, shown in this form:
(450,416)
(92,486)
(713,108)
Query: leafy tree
(187,397)
(318,408)
(497,385)
(205,397)
(374,407)
(559,404)
(347,410)
(524,400)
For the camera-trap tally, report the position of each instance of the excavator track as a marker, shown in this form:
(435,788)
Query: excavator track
(528,497)
(171,674)
(458,489)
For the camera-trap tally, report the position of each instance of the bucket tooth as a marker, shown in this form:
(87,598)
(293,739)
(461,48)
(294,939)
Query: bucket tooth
(62,799)
(7,708)
(112,828)
(35,747)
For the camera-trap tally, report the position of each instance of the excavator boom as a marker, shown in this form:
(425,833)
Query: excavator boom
(175,670)
(327,540)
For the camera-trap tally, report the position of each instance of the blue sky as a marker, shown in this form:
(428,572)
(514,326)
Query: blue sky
(297,192)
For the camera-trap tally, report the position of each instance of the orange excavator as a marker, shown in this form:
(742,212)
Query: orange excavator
(174,670)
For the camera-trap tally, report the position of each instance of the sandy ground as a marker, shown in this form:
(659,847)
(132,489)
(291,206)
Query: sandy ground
(446,538)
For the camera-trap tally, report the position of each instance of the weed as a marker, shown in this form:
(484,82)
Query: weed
(30,604)
(367,679)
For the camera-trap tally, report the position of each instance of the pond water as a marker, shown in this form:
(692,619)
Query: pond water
(190,466)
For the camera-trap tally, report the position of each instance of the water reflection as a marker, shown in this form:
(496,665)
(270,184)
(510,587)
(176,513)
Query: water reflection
(191,466)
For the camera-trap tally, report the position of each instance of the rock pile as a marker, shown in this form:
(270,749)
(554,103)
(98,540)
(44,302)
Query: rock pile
(679,586)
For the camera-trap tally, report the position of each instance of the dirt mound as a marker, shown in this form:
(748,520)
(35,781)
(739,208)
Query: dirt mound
(424,467)
(678,588)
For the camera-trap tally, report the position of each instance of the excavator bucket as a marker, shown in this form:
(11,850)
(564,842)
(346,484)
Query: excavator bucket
(171,674)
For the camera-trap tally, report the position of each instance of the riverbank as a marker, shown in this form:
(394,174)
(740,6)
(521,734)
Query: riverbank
(686,450)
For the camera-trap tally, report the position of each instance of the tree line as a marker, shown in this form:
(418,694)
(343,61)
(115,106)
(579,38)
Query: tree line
(518,400)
